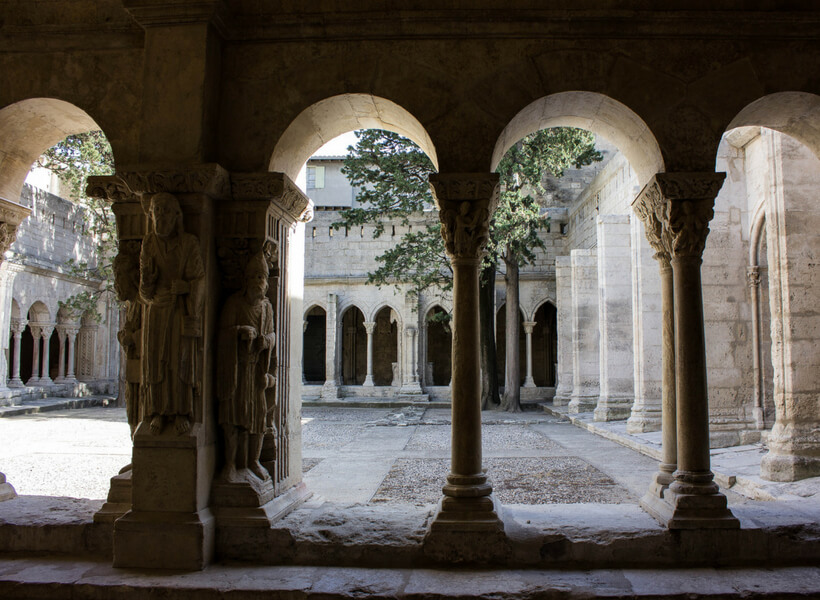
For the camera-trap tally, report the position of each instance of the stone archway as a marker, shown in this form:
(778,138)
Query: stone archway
(354,347)
(439,343)
(313,345)
(385,348)
(544,345)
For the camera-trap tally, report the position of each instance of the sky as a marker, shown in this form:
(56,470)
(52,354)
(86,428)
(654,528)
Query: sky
(337,146)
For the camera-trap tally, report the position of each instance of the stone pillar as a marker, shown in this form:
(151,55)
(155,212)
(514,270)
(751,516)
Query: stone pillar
(8,271)
(753,278)
(410,377)
(647,327)
(18,326)
(529,382)
(330,389)
(35,356)
(11,215)
(615,319)
(467,523)
(563,320)
(585,356)
(792,223)
(369,327)
(687,207)
(650,208)
(71,339)
(45,332)
(61,334)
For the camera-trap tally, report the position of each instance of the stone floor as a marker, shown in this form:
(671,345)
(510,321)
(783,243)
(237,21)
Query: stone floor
(570,503)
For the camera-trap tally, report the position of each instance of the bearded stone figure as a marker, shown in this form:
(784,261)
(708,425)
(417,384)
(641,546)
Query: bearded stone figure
(246,343)
(171,289)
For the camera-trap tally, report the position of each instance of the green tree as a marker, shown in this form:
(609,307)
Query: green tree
(73,160)
(392,173)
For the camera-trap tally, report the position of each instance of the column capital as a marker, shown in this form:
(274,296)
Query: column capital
(753,276)
(369,327)
(11,215)
(410,331)
(529,326)
(18,326)
(46,329)
(675,209)
(465,202)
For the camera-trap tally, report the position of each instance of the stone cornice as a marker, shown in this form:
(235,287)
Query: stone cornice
(272,186)
(164,13)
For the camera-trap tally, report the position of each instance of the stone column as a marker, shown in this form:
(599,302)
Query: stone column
(647,326)
(467,523)
(410,387)
(563,321)
(71,339)
(45,332)
(617,390)
(330,389)
(529,382)
(17,328)
(585,343)
(8,272)
(369,327)
(753,277)
(61,334)
(35,357)
(694,498)
(11,215)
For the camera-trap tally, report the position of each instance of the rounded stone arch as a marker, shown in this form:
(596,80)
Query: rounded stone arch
(353,359)
(329,118)
(30,127)
(314,344)
(544,343)
(38,312)
(796,114)
(386,338)
(594,112)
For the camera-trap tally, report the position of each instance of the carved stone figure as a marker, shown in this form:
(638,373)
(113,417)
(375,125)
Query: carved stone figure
(171,290)
(246,343)
(126,284)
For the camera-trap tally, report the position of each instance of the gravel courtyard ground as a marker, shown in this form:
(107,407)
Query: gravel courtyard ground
(362,455)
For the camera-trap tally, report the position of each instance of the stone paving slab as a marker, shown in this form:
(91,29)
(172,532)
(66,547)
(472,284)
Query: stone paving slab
(68,580)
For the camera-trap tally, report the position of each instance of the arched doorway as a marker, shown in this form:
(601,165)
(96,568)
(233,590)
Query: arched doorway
(438,370)
(354,347)
(313,346)
(544,345)
(500,343)
(385,348)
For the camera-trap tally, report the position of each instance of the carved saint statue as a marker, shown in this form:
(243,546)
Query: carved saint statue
(171,289)
(246,343)
(126,284)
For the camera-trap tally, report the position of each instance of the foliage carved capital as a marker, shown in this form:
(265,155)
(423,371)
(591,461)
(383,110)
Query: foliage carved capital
(465,202)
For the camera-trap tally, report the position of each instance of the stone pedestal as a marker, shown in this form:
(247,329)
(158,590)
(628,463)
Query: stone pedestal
(563,295)
(585,343)
(614,319)
(119,499)
(7,491)
(467,525)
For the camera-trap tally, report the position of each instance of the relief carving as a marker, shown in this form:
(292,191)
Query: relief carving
(8,233)
(126,285)
(689,225)
(465,203)
(209,179)
(246,345)
(171,289)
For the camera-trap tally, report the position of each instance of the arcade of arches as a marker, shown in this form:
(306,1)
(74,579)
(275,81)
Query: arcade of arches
(212,108)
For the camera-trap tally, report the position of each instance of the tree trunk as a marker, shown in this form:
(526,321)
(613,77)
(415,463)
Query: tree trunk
(489,374)
(511,401)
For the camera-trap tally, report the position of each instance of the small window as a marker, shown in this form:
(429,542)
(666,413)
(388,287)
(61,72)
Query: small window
(315,178)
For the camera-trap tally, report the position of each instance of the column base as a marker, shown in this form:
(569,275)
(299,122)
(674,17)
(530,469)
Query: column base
(15,383)
(612,409)
(467,530)
(330,391)
(788,467)
(653,500)
(411,389)
(162,540)
(252,502)
(119,499)
(581,404)
(368,381)
(7,491)
(697,511)
(644,421)
(563,395)
(794,451)
(529,382)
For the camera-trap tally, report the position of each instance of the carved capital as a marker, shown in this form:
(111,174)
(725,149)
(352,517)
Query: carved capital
(369,327)
(18,326)
(753,276)
(465,202)
(277,187)
(109,187)
(11,215)
(529,326)
(675,209)
(410,331)
(46,329)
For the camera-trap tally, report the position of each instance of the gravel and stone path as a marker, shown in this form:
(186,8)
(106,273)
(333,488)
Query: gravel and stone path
(351,455)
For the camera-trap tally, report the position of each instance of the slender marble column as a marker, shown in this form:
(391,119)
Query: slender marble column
(753,275)
(35,357)
(17,328)
(61,334)
(369,327)
(45,378)
(529,382)
(465,202)
(684,206)
(71,334)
